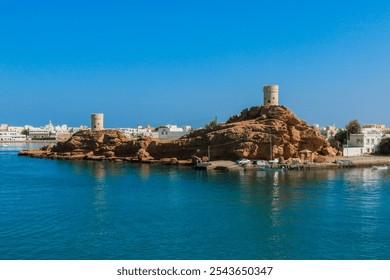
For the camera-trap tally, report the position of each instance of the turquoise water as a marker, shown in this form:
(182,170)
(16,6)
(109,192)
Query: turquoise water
(93,210)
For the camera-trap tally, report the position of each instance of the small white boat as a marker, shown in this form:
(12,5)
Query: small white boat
(269,168)
(380,167)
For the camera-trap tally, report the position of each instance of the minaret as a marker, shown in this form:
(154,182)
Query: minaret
(97,121)
(271,95)
(50,125)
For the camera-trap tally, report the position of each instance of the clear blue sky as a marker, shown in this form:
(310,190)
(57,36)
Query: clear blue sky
(184,62)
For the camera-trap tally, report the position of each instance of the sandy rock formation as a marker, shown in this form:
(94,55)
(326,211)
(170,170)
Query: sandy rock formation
(247,135)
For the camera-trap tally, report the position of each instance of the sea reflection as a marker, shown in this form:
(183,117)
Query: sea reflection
(366,177)
(145,171)
(99,169)
(100,192)
(286,191)
(99,172)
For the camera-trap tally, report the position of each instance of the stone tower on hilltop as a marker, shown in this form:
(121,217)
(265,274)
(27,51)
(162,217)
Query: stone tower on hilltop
(97,121)
(271,95)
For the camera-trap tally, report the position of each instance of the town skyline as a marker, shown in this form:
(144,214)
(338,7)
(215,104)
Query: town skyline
(86,123)
(157,63)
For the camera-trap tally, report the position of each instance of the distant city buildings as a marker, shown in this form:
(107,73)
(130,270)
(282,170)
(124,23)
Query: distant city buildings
(328,132)
(164,132)
(168,132)
(28,132)
(51,132)
(12,133)
(63,132)
(12,136)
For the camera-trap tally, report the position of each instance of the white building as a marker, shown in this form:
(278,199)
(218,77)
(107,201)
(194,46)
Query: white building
(364,143)
(51,132)
(62,128)
(140,131)
(171,132)
(73,130)
(11,136)
(3,127)
(327,131)
(40,133)
(373,127)
(16,128)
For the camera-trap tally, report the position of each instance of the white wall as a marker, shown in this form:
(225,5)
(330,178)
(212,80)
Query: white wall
(350,152)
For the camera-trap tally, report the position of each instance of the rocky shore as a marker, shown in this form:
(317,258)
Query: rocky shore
(257,133)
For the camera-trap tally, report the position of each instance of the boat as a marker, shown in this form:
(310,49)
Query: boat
(269,168)
(380,167)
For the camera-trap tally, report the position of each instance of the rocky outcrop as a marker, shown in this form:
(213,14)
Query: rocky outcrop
(99,142)
(257,133)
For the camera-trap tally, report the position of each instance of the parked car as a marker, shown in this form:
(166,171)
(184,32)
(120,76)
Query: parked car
(243,161)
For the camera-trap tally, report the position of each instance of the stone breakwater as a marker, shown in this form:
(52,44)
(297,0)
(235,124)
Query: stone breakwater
(257,133)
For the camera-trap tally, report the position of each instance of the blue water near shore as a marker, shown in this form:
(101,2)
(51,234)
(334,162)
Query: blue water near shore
(53,209)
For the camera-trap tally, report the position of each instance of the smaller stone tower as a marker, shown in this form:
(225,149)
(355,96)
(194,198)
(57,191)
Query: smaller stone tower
(271,95)
(97,121)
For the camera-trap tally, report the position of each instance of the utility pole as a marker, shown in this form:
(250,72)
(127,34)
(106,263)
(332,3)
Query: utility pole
(270,142)
(347,142)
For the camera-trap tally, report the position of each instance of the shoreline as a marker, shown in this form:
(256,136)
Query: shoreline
(355,162)
(221,165)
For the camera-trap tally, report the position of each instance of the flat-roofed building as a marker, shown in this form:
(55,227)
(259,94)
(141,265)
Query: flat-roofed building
(171,132)
(364,143)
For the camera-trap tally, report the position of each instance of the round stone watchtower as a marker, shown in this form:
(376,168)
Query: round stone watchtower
(97,121)
(271,95)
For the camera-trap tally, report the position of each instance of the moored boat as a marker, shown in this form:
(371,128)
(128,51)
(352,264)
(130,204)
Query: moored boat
(380,167)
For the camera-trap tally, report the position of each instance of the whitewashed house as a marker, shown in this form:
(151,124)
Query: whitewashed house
(171,132)
(140,131)
(364,143)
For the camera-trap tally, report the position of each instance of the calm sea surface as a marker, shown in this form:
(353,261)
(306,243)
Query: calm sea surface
(93,210)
